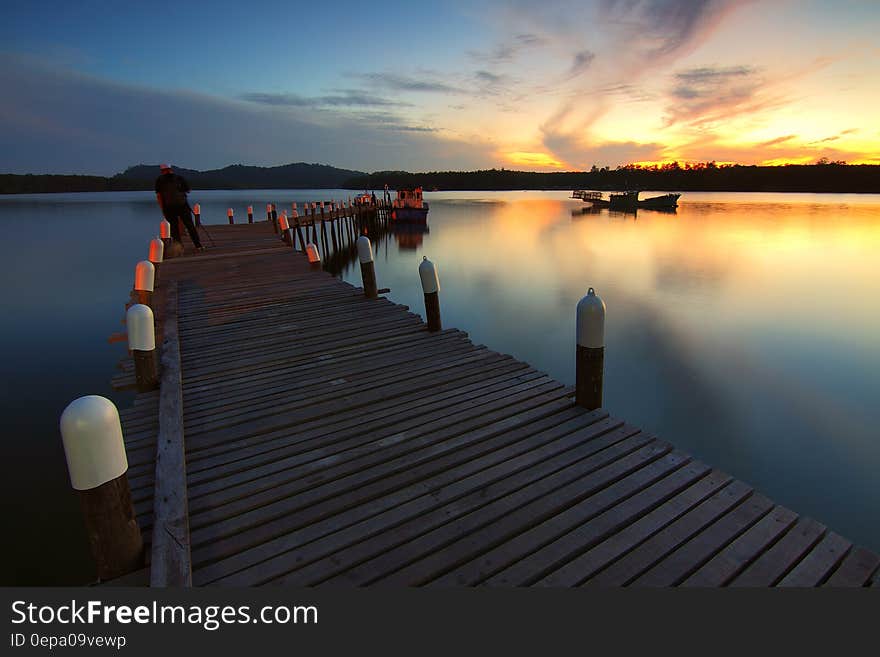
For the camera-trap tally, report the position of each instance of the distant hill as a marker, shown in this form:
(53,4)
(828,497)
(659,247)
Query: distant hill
(238,176)
(299,175)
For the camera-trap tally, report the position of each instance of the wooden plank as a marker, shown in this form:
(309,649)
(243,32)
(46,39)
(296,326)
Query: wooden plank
(773,564)
(524,533)
(530,466)
(725,565)
(637,561)
(271,522)
(856,569)
(585,529)
(352,422)
(170,563)
(281,562)
(689,556)
(821,561)
(613,547)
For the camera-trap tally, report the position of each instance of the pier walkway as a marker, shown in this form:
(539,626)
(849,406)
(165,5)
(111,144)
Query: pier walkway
(310,436)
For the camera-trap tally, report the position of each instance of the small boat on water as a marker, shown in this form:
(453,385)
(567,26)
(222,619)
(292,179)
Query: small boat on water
(627,200)
(409,207)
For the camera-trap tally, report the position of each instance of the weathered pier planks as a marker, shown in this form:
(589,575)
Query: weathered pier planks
(310,436)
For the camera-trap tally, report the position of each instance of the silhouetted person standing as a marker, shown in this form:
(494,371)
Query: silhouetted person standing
(171,191)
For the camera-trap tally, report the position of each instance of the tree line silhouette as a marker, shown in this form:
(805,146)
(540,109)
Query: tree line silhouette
(823,176)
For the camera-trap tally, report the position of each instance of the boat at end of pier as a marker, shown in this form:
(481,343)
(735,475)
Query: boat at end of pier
(627,200)
(409,207)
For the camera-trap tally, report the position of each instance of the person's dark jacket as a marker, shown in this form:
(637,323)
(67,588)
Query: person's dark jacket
(173,190)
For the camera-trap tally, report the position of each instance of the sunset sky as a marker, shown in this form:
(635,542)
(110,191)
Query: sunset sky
(93,87)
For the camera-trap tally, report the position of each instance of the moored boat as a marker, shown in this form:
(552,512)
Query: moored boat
(627,200)
(409,207)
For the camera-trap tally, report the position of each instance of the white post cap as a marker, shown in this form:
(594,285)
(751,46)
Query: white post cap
(165,230)
(197,209)
(144,276)
(591,321)
(157,251)
(428,274)
(141,330)
(312,253)
(283,221)
(92,436)
(365,249)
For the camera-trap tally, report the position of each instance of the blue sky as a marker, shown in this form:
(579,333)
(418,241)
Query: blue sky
(93,87)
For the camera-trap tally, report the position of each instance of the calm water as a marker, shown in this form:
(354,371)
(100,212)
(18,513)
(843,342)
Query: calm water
(745,329)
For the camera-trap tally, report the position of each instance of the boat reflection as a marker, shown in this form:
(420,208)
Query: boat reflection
(409,236)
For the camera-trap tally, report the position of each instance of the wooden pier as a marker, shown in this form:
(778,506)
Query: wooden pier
(307,435)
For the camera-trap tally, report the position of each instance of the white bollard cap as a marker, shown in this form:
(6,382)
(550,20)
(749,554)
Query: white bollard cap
(141,329)
(144,276)
(428,274)
(365,249)
(591,321)
(165,230)
(312,253)
(197,209)
(92,436)
(157,251)
(283,221)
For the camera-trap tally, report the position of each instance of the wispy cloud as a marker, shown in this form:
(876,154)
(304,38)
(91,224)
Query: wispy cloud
(581,63)
(507,51)
(778,140)
(400,82)
(342,98)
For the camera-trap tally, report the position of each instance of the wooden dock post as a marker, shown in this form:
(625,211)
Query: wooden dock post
(334,219)
(144,281)
(165,233)
(250,213)
(286,232)
(314,256)
(590,365)
(368,268)
(157,254)
(431,288)
(142,342)
(197,212)
(314,225)
(91,433)
(299,234)
(231,215)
